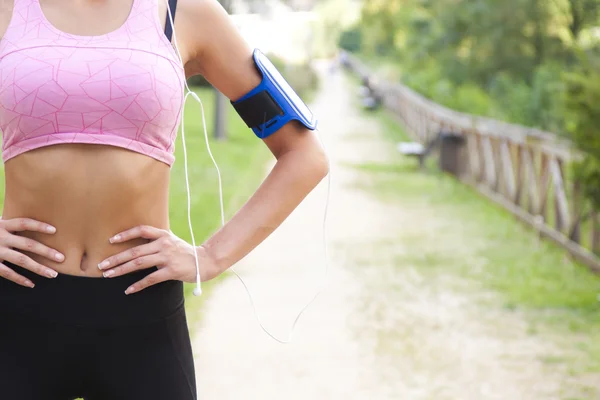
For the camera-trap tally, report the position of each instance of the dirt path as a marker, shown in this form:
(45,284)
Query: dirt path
(377,332)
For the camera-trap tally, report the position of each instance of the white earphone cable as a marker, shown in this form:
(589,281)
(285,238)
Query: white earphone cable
(198,289)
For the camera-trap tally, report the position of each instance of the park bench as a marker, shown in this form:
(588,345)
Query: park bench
(418,150)
(369,97)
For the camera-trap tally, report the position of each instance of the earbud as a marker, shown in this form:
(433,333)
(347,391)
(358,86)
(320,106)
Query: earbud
(197,291)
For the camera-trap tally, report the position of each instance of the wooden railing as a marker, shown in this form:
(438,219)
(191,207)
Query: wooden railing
(520,168)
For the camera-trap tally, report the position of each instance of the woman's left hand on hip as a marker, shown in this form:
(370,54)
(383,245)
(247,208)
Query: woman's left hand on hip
(173,257)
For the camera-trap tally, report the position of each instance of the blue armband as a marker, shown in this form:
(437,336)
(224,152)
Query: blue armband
(273,103)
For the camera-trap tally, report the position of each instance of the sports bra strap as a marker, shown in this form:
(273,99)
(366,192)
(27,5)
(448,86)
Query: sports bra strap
(168,26)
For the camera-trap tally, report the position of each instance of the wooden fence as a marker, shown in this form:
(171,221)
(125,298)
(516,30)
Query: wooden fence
(520,168)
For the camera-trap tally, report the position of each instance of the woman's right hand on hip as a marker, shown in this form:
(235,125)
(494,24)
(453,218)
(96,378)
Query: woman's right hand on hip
(11,243)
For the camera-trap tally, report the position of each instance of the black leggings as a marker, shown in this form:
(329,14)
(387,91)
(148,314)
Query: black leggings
(72,337)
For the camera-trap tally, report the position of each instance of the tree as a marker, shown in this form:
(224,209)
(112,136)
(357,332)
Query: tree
(584,13)
(513,50)
(583,97)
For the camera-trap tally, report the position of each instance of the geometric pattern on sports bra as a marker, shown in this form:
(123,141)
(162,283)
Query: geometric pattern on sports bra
(124,88)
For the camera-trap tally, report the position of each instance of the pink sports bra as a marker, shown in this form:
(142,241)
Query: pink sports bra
(123,89)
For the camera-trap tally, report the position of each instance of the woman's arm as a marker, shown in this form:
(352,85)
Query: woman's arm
(225,60)
(211,45)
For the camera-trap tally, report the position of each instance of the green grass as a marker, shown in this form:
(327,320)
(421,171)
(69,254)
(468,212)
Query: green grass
(483,244)
(241,159)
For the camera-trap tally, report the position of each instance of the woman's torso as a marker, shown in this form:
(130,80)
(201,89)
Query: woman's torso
(90,192)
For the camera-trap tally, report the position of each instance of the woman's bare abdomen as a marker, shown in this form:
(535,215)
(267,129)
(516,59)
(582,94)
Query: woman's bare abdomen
(89,193)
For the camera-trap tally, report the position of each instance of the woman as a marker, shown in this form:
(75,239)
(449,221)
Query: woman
(91,299)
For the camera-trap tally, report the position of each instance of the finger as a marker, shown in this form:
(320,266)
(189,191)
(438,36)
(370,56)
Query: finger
(135,265)
(142,231)
(32,246)
(22,260)
(11,275)
(130,254)
(159,276)
(26,224)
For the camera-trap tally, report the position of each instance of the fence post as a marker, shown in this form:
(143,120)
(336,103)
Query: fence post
(577,211)
(544,186)
(519,180)
(220,116)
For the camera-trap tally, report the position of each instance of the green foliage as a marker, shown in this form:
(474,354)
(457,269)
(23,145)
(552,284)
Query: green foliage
(499,58)
(506,59)
(512,99)
(472,99)
(583,97)
(584,13)
(351,39)
(466,98)
(546,104)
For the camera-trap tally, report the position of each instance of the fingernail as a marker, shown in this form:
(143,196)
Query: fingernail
(59,257)
(115,238)
(130,290)
(108,274)
(51,274)
(50,229)
(103,265)
(29,284)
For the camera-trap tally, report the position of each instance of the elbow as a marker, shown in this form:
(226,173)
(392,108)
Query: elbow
(322,165)
(319,165)
(307,167)
(303,154)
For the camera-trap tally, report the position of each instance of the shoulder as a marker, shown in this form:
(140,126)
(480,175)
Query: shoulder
(202,15)
(200,10)
(214,47)
(202,23)
(6,10)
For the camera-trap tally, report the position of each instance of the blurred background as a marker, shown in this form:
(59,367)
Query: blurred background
(463,228)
